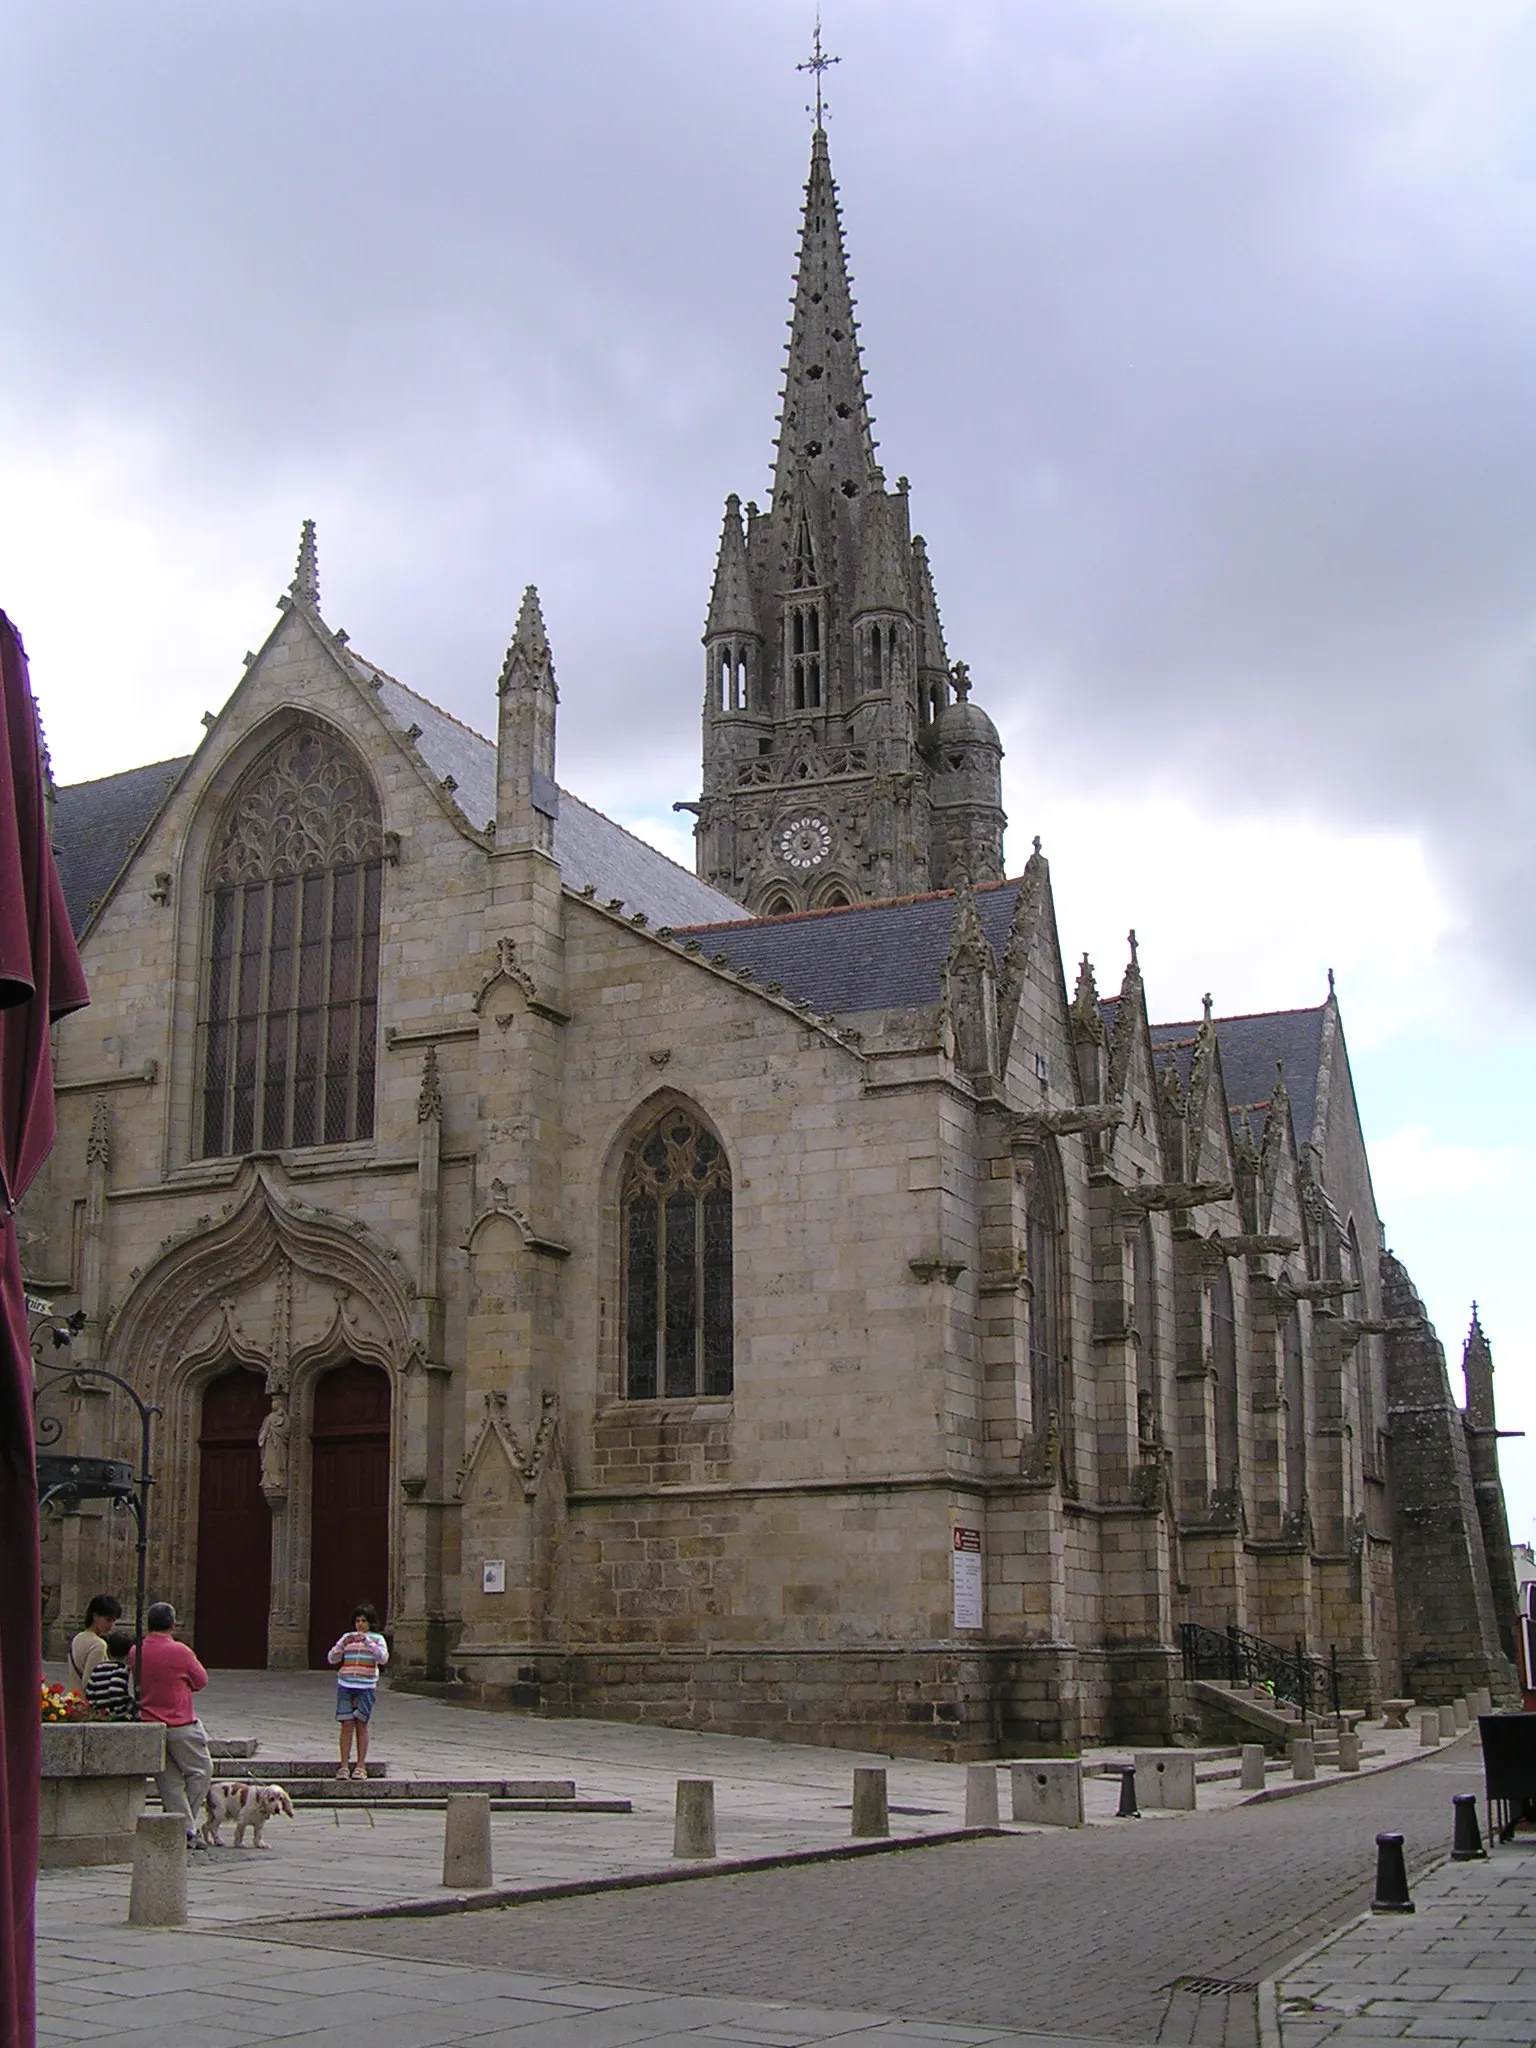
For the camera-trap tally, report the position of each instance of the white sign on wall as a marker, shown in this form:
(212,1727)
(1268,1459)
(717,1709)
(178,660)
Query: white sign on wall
(493,1575)
(965,1560)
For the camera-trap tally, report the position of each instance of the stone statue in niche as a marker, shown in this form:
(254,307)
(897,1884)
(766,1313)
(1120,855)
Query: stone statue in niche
(272,1442)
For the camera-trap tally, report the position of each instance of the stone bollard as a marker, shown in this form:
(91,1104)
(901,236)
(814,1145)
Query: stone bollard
(1303,1758)
(981,1795)
(1481,1701)
(1391,1877)
(871,1807)
(1466,1835)
(1460,1715)
(1251,1777)
(1429,1728)
(1447,1722)
(158,1897)
(693,1831)
(1165,1779)
(1127,1809)
(1349,1749)
(467,1842)
(1048,1792)
(1394,1713)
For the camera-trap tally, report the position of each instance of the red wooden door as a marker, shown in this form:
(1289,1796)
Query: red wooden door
(234,1526)
(349,1525)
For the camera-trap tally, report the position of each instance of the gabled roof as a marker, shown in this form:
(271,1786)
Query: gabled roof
(864,956)
(96,825)
(1254,1049)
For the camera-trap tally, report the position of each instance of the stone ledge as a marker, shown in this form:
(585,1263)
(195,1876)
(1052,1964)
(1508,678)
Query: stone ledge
(103,1749)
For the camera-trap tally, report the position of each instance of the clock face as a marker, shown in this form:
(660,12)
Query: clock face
(805,842)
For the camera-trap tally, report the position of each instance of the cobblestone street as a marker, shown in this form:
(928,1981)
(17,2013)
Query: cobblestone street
(1076,1933)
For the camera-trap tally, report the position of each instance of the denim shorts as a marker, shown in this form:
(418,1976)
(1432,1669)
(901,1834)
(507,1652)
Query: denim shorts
(354,1702)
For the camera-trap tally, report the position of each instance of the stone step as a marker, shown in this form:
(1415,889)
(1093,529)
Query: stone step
(312,1780)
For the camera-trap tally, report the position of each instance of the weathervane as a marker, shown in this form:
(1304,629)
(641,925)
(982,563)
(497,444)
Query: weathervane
(817,63)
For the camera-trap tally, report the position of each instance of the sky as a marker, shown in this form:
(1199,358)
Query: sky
(1205,330)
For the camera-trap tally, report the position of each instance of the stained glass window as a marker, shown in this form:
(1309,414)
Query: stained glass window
(1224,1373)
(290,1008)
(676,1206)
(1049,1392)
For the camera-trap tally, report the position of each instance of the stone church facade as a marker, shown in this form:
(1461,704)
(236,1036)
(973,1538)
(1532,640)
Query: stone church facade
(770,1299)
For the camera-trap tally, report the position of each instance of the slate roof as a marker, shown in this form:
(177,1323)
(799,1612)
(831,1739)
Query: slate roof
(865,957)
(1250,1047)
(96,825)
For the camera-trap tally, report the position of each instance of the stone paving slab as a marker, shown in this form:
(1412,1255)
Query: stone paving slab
(1461,1969)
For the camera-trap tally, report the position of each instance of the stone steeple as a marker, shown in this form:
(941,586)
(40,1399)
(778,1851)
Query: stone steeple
(841,760)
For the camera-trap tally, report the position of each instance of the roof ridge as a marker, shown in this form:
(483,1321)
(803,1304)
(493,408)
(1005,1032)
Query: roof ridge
(1242,1017)
(177,761)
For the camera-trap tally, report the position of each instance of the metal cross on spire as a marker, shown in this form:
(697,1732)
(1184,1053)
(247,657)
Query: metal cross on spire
(818,63)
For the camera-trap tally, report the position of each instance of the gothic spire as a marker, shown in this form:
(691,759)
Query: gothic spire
(731,609)
(529,652)
(305,587)
(824,422)
(931,650)
(881,584)
(527,801)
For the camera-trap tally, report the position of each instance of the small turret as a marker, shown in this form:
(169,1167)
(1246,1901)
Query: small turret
(527,800)
(965,782)
(733,640)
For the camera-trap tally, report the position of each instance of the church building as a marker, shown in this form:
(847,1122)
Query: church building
(776,1299)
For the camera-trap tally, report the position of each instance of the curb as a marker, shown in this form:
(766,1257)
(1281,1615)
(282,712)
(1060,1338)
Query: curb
(1298,1786)
(581,1887)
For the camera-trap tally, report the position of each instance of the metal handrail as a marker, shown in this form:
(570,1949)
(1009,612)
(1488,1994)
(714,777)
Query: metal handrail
(1242,1659)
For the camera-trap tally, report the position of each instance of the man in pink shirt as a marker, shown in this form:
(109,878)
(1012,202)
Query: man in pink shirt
(170,1676)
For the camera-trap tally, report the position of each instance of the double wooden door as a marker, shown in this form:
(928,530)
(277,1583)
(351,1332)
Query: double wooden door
(234,1525)
(349,1510)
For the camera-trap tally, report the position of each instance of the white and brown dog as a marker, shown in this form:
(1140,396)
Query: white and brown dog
(248,1806)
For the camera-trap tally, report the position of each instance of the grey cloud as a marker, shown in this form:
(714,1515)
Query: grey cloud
(1206,335)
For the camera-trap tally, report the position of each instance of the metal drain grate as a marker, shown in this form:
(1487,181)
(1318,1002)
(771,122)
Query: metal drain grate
(1212,1987)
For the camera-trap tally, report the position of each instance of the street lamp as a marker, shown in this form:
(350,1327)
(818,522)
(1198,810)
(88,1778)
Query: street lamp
(72,1480)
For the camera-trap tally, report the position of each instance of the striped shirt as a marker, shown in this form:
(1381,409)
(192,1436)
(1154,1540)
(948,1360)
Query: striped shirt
(360,1655)
(109,1690)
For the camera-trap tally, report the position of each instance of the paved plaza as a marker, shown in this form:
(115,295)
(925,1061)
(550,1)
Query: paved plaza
(1147,1931)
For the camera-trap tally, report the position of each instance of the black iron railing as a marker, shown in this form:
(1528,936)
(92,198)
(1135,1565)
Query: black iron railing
(1307,1683)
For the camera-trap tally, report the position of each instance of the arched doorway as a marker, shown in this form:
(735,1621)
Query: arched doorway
(234,1525)
(349,1513)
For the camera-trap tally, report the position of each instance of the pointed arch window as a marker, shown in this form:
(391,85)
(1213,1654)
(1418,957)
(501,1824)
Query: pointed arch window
(289,1012)
(677,1294)
(1224,1375)
(1149,1409)
(1049,1385)
(1294,1387)
(804,637)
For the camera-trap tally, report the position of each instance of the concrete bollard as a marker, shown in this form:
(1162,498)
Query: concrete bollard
(1460,1715)
(1165,1780)
(981,1795)
(1447,1722)
(1429,1728)
(1303,1757)
(1349,1749)
(1391,1877)
(1251,1777)
(693,1831)
(467,1842)
(158,1896)
(871,1806)
(1466,1835)
(1048,1792)
(1481,1701)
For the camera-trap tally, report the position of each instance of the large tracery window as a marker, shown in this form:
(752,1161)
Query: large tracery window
(1224,1374)
(290,988)
(676,1204)
(1049,1391)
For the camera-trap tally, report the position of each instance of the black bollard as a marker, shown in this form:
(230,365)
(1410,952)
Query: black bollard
(1391,1877)
(1128,1809)
(1467,1836)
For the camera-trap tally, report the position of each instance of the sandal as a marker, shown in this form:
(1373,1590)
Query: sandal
(343,1772)
(360,1771)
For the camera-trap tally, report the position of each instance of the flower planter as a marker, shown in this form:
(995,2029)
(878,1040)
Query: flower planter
(93,1789)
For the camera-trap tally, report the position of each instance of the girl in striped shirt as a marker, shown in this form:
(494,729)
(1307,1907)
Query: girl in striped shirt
(361,1653)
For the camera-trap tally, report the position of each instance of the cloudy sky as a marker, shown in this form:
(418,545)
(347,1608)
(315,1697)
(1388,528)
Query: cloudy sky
(1205,329)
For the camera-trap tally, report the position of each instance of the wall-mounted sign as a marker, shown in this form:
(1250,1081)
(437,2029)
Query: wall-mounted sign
(493,1575)
(965,1559)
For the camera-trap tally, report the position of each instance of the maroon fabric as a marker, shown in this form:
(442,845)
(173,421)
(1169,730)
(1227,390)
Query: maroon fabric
(40,979)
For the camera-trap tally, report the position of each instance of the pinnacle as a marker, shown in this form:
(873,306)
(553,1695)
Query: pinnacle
(731,609)
(529,650)
(305,587)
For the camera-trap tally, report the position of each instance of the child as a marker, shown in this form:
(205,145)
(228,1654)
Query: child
(109,1689)
(361,1653)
